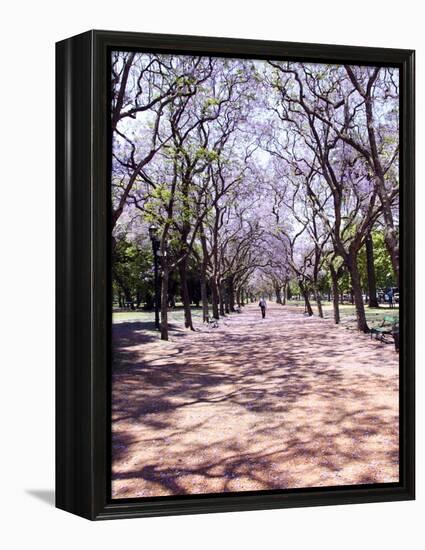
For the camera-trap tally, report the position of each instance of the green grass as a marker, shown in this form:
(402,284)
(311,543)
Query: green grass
(174,316)
(374,316)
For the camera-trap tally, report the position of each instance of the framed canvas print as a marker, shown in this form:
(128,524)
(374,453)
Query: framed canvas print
(235,275)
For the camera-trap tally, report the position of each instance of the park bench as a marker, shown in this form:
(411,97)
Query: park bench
(388,327)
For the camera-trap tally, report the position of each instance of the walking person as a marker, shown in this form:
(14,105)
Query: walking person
(262,304)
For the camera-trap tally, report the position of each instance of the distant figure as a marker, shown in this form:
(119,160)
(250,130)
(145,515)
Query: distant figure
(263,306)
(390,297)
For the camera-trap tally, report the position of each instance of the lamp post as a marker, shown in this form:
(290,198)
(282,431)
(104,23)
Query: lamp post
(155,249)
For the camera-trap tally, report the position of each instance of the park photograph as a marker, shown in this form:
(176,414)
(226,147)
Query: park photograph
(255,275)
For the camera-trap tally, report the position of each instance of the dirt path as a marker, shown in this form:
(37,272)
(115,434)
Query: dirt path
(284,402)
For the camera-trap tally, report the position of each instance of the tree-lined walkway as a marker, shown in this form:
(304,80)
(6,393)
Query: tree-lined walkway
(291,401)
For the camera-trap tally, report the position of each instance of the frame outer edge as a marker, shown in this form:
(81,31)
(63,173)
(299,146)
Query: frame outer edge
(74,470)
(408,271)
(81,173)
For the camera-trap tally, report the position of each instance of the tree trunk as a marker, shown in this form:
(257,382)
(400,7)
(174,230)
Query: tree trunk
(391,241)
(278,293)
(304,292)
(214,298)
(357,293)
(335,294)
(288,292)
(226,297)
(204,267)
(371,279)
(231,290)
(238,297)
(164,304)
(204,295)
(185,295)
(390,236)
(221,299)
(318,301)
(308,305)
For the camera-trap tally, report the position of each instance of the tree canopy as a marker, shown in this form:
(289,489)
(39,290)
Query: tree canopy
(258,176)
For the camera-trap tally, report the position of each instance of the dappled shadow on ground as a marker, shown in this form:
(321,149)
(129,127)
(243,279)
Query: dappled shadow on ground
(286,402)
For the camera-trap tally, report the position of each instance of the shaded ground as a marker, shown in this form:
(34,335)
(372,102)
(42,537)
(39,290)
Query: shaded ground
(287,402)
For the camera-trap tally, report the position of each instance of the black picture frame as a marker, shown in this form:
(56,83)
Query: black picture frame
(82,306)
